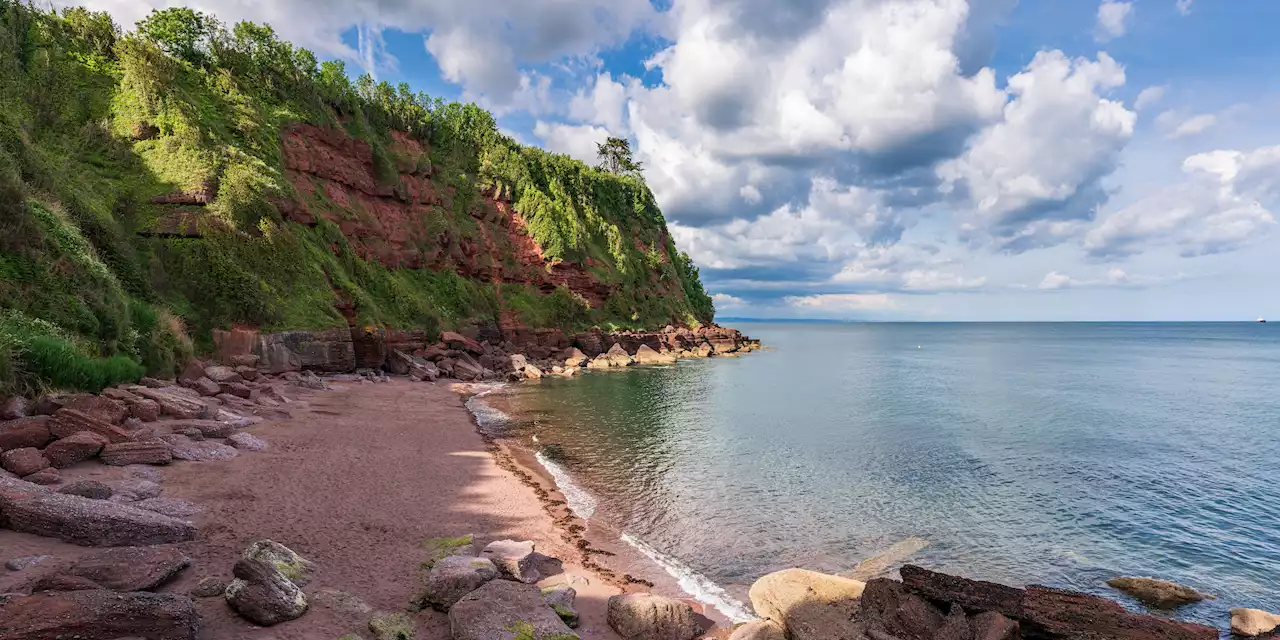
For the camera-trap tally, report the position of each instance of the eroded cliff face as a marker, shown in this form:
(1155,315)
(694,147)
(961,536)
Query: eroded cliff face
(409,220)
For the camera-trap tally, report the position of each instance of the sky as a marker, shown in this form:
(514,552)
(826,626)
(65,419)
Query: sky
(885,159)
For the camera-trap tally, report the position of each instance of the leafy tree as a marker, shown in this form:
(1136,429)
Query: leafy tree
(615,157)
(179,32)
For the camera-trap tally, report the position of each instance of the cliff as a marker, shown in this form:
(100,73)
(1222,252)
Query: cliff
(159,185)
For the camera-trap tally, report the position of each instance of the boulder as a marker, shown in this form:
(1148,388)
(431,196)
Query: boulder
(1251,623)
(461,342)
(100,408)
(25,433)
(888,608)
(1076,615)
(291,565)
(183,448)
(156,383)
(82,521)
(46,477)
(809,605)
(1160,594)
(643,616)
(23,462)
(532,373)
(974,595)
(192,371)
(454,577)
(263,595)
(248,372)
(955,626)
(206,387)
(759,630)
(68,422)
(75,448)
(467,370)
(392,626)
(91,489)
(171,507)
(561,598)
(24,563)
(240,390)
(514,559)
(98,615)
(574,357)
(145,410)
(990,625)
(221,374)
(504,610)
(13,407)
(247,442)
(174,404)
(130,568)
(646,355)
(207,428)
(129,453)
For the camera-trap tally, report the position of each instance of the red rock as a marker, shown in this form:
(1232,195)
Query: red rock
(459,341)
(61,582)
(131,568)
(973,595)
(120,395)
(75,448)
(173,403)
(91,523)
(23,462)
(990,625)
(888,607)
(154,452)
(68,422)
(13,408)
(207,428)
(25,432)
(98,615)
(145,410)
(221,374)
(1076,615)
(194,370)
(47,476)
(100,408)
(239,390)
(206,387)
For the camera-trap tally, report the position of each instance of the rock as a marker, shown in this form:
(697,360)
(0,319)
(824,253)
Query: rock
(561,598)
(100,408)
(247,442)
(191,433)
(68,422)
(955,626)
(133,489)
(1076,615)
(890,609)
(454,577)
(23,462)
(221,374)
(155,383)
(13,408)
(207,428)
(130,453)
(248,373)
(973,595)
(24,563)
(341,602)
(467,370)
(263,595)
(240,390)
(75,448)
(646,355)
(532,373)
(25,433)
(809,605)
(1160,594)
(201,451)
(61,582)
(145,410)
(91,523)
(990,625)
(574,357)
(392,626)
(144,473)
(643,616)
(515,560)
(209,587)
(206,387)
(193,370)
(91,489)
(759,630)
(504,610)
(131,568)
(461,342)
(45,477)
(1251,623)
(174,404)
(98,615)
(294,567)
(171,507)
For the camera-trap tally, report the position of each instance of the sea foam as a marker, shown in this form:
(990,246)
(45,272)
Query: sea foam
(580,502)
(694,583)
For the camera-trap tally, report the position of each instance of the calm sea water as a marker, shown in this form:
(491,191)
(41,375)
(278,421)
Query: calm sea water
(1057,454)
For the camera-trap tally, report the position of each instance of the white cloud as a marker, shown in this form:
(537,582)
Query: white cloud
(1183,7)
(725,301)
(1034,177)
(1113,18)
(838,302)
(575,141)
(1113,278)
(1194,125)
(905,267)
(1223,204)
(1148,97)
(603,104)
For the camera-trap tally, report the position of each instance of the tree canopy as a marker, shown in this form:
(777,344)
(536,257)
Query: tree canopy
(615,157)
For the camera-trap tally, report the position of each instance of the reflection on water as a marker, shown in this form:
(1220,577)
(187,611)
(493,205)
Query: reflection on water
(1042,453)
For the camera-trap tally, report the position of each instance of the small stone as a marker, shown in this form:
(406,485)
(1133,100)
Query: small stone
(247,442)
(515,559)
(23,462)
(209,587)
(75,448)
(24,563)
(1160,594)
(1251,623)
(91,489)
(45,477)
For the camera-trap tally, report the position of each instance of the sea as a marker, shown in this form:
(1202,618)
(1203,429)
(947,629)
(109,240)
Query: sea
(1038,453)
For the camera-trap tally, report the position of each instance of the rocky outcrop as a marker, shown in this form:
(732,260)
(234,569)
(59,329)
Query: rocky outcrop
(453,577)
(1251,623)
(505,610)
(1160,594)
(514,559)
(643,616)
(98,615)
(809,605)
(92,523)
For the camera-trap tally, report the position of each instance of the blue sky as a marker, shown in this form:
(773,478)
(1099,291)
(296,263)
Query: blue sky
(887,159)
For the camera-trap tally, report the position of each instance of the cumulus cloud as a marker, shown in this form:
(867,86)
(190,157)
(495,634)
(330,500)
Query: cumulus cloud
(1033,178)
(479,44)
(909,268)
(1113,19)
(1224,203)
(1148,97)
(575,141)
(725,301)
(842,302)
(1114,278)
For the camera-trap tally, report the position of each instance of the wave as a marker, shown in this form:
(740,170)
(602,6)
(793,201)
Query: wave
(489,419)
(694,583)
(580,502)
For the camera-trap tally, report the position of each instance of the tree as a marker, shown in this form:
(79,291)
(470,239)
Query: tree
(615,157)
(179,32)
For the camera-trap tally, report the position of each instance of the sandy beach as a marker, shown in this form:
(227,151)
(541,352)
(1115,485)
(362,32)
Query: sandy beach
(355,481)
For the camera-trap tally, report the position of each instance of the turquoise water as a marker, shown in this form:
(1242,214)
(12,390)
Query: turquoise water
(1058,454)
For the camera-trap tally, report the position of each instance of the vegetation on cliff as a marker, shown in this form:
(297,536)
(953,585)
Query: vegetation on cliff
(142,184)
